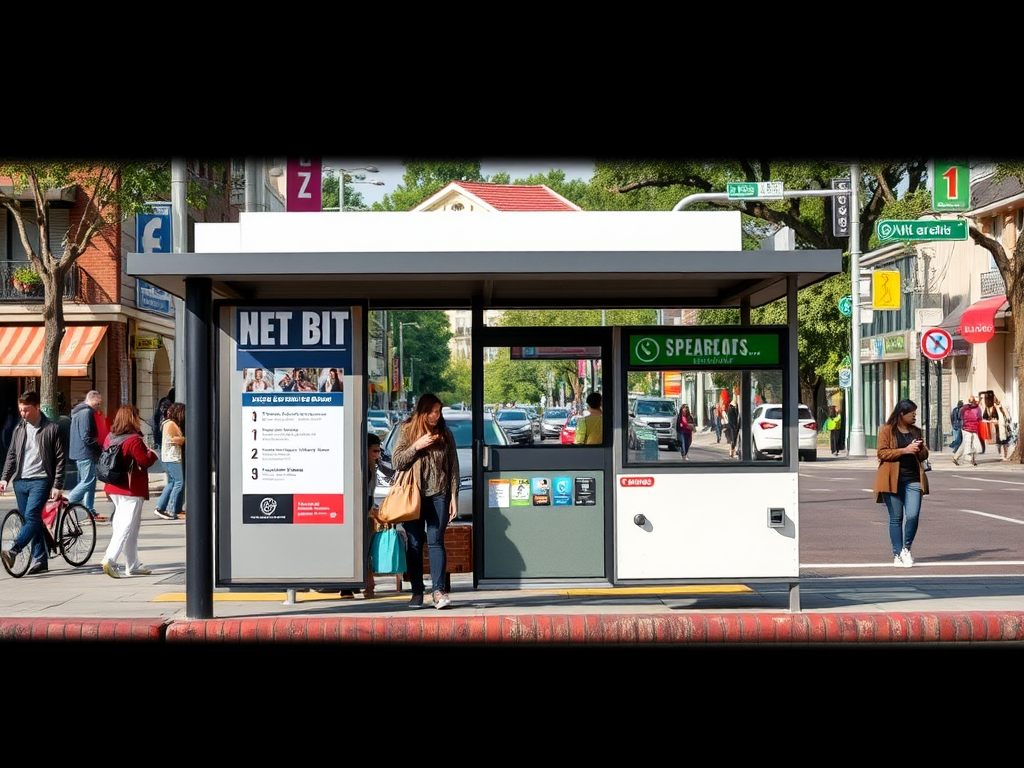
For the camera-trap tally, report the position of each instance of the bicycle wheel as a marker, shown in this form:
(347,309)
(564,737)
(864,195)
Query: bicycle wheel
(12,526)
(76,534)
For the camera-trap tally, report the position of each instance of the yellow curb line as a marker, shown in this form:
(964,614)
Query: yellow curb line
(306,597)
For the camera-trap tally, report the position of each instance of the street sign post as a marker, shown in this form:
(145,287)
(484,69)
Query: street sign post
(936,343)
(902,229)
(755,190)
(951,185)
(841,209)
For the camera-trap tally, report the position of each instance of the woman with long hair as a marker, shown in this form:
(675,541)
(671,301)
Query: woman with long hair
(427,446)
(333,382)
(684,430)
(128,494)
(900,482)
(172,499)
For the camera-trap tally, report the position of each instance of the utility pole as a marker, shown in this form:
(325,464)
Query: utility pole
(855,447)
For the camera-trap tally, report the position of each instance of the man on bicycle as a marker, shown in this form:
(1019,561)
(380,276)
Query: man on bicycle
(35,461)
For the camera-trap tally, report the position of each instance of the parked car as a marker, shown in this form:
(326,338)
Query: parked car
(517,425)
(659,415)
(766,430)
(461,425)
(552,421)
(568,434)
(531,411)
(376,413)
(378,426)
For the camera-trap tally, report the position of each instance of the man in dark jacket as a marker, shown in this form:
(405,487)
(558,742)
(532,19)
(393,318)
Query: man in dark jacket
(84,449)
(956,423)
(35,463)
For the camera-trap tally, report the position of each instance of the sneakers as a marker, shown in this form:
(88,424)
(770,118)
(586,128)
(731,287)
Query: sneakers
(38,566)
(140,571)
(110,569)
(164,514)
(8,558)
(906,557)
(897,561)
(441,600)
(416,601)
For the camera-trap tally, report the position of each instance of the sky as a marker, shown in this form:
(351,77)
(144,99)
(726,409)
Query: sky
(391,170)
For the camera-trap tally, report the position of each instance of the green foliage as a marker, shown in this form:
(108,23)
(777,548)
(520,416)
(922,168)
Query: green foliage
(27,276)
(353,197)
(428,343)
(458,382)
(425,177)
(515,381)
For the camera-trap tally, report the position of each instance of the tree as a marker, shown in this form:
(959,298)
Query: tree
(353,198)
(428,343)
(114,190)
(1011,267)
(425,177)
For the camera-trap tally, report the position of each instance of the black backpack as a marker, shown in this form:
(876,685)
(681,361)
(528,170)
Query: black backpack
(112,466)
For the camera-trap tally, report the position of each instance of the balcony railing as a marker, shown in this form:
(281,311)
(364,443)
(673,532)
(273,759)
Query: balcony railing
(11,289)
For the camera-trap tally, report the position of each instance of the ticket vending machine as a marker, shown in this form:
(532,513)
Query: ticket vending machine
(707,515)
(636,509)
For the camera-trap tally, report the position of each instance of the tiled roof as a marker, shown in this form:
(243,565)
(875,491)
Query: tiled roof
(513,197)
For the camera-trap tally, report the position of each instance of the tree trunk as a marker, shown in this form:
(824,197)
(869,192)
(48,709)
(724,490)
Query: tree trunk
(53,322)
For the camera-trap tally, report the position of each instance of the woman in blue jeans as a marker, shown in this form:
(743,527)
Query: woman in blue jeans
(900,481)
(426,446)
(172,445)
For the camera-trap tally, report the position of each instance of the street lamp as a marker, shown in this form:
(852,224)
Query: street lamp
(412,374)
(344,177)
(401,360)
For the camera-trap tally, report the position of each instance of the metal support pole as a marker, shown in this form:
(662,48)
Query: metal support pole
(179,221)
(199,488)
(855,447)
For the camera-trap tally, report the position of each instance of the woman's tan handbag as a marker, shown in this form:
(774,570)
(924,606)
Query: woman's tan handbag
(402,503)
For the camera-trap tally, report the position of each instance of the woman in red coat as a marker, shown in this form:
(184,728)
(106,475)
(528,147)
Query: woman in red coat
(128,494)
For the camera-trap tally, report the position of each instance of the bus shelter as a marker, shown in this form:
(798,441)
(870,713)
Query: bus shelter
(275,468)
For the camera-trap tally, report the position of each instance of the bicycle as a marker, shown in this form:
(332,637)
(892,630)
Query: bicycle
(75,537)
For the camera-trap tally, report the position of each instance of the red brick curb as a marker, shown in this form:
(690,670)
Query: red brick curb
(543,629)
(82,630)
(614,629)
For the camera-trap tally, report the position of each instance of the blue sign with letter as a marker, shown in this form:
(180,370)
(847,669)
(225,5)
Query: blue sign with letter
(153,235)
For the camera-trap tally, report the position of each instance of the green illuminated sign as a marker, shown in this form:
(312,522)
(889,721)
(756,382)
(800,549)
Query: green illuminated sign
(704,349)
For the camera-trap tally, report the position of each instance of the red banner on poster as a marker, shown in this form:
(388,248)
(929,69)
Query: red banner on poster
(302,186)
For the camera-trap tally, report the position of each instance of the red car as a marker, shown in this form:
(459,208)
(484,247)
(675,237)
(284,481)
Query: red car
(568,434)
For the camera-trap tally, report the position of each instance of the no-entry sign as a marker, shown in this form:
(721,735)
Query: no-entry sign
(936,343)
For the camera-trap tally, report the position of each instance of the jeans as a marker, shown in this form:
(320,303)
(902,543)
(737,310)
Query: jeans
(685,441)
(958,437)
(718,428)
(32,496)
(905,503)
(173,497)
(434,518)
(85,492)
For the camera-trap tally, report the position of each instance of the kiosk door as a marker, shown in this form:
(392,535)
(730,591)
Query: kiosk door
(544,500)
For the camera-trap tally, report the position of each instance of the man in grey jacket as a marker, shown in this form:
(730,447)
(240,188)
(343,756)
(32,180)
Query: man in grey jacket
(35,463)
(84,449)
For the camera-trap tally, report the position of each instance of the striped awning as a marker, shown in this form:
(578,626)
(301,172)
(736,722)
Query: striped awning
(21,349)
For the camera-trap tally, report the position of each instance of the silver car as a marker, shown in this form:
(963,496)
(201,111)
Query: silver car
(517,425)
(552,421)
(461,425)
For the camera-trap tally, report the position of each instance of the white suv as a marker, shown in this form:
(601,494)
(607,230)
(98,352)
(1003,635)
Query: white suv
(766,429)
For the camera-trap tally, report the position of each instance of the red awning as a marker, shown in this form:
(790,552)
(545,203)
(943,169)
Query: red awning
(978,322)
(21,349)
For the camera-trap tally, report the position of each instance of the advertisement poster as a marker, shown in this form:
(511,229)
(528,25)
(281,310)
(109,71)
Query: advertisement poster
(586,491)
(498,493)
(290,368)
(520,492)
(561,495)
(541,488)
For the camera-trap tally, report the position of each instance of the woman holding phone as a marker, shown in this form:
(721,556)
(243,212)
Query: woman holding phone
(900,482)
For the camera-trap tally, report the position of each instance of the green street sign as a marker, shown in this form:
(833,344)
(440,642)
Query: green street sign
(951,185)
(705,349)
(901,229)
(755,190)
(846,306)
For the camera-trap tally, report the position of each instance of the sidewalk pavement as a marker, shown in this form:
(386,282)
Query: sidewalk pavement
(82,604)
